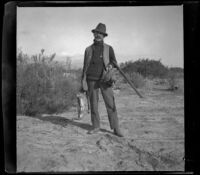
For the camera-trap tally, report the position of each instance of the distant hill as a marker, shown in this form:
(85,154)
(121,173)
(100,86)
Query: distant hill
(77,60)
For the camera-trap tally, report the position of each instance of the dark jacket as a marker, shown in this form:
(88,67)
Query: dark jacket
(87,58)
(95,69)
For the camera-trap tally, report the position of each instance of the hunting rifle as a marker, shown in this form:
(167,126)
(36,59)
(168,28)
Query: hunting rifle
(130,83)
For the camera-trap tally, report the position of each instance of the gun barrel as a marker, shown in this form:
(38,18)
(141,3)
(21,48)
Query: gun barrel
(130,83)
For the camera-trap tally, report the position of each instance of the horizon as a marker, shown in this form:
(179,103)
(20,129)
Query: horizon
(78,63)
(133,32)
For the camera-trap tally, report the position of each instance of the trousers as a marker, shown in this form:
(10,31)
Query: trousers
(108,97)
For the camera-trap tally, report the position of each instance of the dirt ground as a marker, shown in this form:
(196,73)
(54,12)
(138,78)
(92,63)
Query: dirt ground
(153,129)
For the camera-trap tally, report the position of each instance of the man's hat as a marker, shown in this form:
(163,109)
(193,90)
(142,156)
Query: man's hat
(101,28)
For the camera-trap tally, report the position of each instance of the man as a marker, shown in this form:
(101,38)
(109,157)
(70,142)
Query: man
(98,59)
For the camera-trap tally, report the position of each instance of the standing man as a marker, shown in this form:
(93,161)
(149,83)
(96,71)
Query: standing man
(98,59)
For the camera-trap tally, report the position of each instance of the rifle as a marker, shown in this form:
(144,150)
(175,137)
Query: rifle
(130,83)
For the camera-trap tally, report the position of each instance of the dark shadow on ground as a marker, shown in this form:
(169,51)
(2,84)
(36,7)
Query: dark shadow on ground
(58,120)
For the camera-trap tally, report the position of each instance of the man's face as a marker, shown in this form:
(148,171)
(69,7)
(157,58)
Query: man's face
(98,36)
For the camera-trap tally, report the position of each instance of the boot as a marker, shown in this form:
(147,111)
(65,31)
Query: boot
(94,131)
(118,132)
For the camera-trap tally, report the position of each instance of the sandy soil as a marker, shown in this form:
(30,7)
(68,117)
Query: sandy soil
(153,129)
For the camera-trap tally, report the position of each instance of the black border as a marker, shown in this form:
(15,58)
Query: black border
(9,86)
(191,67)
(191,71)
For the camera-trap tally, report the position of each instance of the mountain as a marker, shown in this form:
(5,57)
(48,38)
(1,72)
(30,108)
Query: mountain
(77,60)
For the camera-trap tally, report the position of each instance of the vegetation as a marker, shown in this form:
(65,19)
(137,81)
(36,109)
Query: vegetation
(42,85)
(152,69)
(46,86)
(145,67)
(137,79)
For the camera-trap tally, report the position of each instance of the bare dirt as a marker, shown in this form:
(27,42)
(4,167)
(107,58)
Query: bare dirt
(153,129)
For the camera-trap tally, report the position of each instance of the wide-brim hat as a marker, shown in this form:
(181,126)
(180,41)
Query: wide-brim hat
(101,28)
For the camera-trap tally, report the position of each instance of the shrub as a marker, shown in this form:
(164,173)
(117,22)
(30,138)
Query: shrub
(172,81)
(179,72)
(146,68)
(41,86)
(136,78)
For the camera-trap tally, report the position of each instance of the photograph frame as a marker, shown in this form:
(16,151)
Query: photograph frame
(9,73)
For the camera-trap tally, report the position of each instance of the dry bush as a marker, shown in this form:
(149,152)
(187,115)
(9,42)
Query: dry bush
(149,84)
(160,81)
(41,86)
(172,81)
(136,78)
(146,67)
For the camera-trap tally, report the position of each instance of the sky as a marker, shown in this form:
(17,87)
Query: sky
(154,32)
